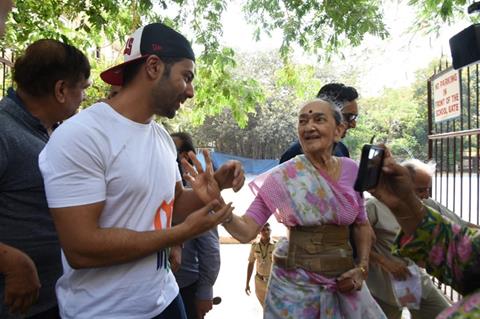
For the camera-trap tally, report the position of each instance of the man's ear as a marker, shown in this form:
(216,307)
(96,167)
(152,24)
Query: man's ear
(154,67)
(339,130)
(60,91)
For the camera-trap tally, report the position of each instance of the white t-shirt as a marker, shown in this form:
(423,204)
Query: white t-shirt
(99,155)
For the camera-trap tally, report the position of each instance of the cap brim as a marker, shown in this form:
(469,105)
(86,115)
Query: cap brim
(114,75)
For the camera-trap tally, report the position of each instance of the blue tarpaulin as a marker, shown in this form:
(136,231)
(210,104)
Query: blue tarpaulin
(251,166)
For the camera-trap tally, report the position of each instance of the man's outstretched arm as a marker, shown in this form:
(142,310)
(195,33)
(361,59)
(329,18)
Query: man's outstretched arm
(87,245)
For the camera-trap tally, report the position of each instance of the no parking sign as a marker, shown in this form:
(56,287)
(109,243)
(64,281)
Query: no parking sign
(446,96)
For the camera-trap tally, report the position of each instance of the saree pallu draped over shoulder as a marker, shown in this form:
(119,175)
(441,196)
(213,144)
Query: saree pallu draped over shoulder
(299,194)
(317,210)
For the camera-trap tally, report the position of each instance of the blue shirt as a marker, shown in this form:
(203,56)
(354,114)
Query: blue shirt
(200,263)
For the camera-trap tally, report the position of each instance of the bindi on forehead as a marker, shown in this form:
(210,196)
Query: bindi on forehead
(314,107)
(308,111)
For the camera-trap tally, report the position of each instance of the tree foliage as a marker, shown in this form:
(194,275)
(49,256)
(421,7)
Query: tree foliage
(220,88)
(92,24)
(433,14)
(393,118)
(269,129)
(397,116)
(314,24)
(86,24)
(309,24)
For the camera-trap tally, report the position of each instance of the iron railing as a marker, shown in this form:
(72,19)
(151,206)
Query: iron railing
(454,146)
(6,65)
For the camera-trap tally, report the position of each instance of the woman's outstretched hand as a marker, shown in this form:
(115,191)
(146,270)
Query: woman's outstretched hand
(230,175)
(203,182)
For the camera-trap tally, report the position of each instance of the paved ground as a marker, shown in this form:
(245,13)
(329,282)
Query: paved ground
(230,286)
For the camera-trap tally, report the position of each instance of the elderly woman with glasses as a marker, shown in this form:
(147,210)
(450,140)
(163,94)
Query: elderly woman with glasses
(314,274)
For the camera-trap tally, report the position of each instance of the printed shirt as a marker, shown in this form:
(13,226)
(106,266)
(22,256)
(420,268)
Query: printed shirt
(450,253)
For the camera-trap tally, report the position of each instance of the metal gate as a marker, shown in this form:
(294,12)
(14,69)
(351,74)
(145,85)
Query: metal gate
(454,146)
(5,71)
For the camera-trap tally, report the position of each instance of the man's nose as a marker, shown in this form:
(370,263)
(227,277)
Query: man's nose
(190,91)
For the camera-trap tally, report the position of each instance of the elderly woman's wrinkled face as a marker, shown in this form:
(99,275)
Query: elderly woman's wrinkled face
(317,129)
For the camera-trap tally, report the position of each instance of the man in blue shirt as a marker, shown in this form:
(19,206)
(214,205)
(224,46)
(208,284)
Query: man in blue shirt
(198,273)
(200,256)
(346,97)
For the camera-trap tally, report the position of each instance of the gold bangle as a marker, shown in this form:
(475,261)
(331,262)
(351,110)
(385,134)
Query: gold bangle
(363,270)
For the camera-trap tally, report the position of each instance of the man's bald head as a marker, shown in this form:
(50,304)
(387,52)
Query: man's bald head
(421,174)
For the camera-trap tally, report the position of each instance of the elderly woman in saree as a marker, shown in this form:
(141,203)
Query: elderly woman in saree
(314,274)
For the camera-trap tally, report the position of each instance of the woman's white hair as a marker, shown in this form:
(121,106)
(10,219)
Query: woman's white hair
(336,112)
(414,165)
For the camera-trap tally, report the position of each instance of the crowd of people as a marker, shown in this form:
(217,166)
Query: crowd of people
(104,214)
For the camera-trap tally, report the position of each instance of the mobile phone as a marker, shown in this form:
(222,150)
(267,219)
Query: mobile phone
(370,167)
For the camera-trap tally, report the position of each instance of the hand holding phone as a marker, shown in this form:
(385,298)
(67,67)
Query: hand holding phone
(370,168)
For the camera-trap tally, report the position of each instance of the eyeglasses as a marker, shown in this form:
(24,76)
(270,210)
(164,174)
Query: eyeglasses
(350,117)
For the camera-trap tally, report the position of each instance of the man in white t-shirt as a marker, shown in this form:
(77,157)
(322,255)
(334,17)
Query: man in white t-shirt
(113,187)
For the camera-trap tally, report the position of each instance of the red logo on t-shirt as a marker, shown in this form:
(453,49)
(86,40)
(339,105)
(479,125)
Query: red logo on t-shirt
(165,209)
(128,47)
